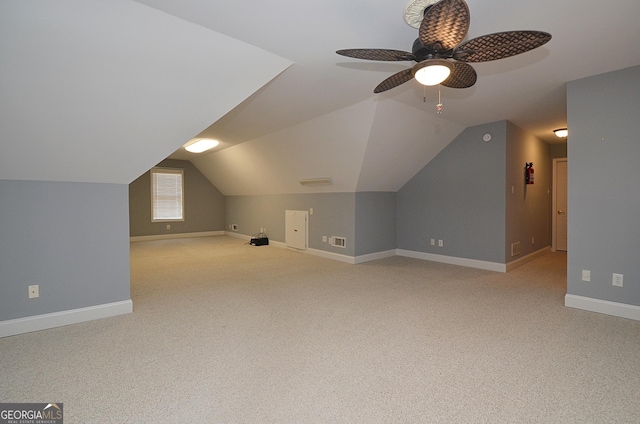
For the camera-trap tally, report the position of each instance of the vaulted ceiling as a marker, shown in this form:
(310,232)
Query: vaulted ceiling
(101,91)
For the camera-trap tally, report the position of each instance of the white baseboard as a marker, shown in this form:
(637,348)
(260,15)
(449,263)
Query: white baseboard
(315,252)
(176,236)
(59,319)
(453,260)
(528,258)
(330,255)
(374,256)
(472,263)
(248,238)
(621,310)
(237,235)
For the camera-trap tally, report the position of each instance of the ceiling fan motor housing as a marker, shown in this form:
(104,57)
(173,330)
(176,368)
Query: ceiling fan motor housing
(423,53)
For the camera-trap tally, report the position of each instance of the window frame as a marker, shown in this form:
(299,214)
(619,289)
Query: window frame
(161,170)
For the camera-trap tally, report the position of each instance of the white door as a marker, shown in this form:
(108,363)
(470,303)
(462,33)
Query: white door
(560,213)
(295,229)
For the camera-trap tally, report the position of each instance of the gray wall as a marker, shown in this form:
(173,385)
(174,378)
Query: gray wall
(459,197)
(69,238)
(528,207)
(203,204)
(333,215)
(375,222)
(558,150)
(604,195)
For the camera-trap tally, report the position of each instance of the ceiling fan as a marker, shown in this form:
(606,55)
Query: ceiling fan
(441,56)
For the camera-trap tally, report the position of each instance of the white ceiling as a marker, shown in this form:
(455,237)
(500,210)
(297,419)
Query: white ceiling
(528,89)
(95,91)
(101,91)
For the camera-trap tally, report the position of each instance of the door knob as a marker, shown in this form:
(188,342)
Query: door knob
(560,213)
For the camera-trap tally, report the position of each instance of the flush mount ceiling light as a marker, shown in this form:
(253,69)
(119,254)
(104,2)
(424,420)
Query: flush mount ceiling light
(432,71)
(561,132)
(316,181)
(200,145)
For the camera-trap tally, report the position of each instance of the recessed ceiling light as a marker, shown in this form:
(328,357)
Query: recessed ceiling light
(201,145)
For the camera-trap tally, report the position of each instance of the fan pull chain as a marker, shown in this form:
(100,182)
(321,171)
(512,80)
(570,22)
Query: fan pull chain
(424,94)
(439,105)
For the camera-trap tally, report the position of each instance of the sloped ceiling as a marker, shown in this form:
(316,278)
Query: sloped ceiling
(351,146)
(103,90)
(528,90)
(100,91)
(402,140)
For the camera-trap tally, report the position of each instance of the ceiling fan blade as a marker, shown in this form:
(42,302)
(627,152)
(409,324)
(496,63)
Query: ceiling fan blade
(377,54)
(500,45)
(445,25)
(394,81)
(462,76)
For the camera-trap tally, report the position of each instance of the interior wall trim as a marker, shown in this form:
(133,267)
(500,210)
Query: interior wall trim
(330,255)
(238,235)
(176,236)
(309,251)
(616,309)
(453,260)
(354,260)
(375,256)
(59,319)
(528,258)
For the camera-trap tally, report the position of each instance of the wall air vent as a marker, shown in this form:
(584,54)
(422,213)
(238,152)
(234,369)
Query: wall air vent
(338,241)
(316,181)
(515,249)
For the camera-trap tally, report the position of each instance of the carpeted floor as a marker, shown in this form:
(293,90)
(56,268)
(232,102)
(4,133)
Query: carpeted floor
(224,332)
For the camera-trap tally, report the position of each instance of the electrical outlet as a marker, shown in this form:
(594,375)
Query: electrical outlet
(440,243)
(617,279)
(168,226)
(586,275)
(324,239)
(34,291)
(433,242)
(310,211)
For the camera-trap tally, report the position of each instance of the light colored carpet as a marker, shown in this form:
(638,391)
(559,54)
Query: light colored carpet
(223,332)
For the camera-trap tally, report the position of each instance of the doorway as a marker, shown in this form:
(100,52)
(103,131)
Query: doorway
(559,206)
(296,229)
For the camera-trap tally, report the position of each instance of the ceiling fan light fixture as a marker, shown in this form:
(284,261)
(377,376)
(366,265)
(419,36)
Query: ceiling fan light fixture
(201,145)
(432,71)
(561,132)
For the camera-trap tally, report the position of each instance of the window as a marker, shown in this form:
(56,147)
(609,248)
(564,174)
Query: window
(167,200)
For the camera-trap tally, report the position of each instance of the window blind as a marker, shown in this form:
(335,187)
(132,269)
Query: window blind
(167,194)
